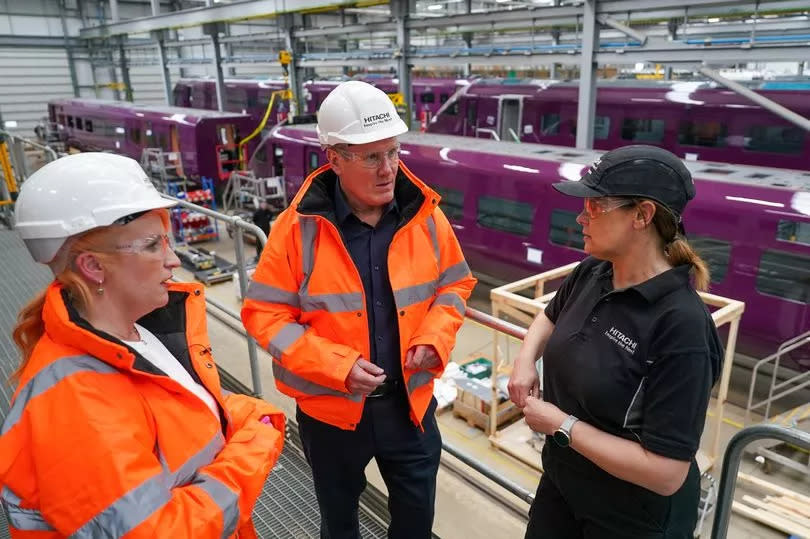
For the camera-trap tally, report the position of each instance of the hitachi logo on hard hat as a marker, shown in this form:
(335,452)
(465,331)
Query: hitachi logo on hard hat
(375,119)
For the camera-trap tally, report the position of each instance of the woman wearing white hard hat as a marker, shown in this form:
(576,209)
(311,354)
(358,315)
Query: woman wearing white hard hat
(118,426)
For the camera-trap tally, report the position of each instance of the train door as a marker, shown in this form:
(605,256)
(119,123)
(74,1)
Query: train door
(226,150)
(509,114)
(487,118)
(470,116)
(174,149)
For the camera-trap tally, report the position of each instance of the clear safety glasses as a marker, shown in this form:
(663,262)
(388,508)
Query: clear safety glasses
(597,207)
(372,160)
(154,246)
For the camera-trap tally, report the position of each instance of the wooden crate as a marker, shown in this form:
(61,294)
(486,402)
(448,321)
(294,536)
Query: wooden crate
(473,404)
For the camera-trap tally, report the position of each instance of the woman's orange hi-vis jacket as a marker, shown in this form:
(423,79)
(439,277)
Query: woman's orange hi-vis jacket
(306,302)
(100,443)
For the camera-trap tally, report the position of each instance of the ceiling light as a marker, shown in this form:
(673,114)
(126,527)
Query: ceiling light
(434,7)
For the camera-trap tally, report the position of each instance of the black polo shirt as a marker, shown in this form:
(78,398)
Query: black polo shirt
(638,363)
(368,247)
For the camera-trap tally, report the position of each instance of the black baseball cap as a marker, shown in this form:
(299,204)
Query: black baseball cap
(636,171)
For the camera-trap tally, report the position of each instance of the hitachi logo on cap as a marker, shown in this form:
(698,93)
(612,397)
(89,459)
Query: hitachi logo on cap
(375,119)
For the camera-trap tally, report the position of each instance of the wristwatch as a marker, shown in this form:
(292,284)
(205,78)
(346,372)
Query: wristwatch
(563,435)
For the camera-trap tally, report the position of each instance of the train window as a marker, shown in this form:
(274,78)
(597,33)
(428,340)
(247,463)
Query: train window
(79,123)
(61,119)
(565,230)
(786,275)
(506,215)
(711,134)
(314,161)
(715,252)
(70,121)
(793,231)
(550,124)
(162,141)
(135,135)
(452,110)
(452,202)
(235,99)
(443,98)
(428,97)
(601,127)
(774,139)
(643,129)
(226,134)
(88,125)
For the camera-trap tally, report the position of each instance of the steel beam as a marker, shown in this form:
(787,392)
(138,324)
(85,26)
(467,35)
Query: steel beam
(400,9)
(762,101)
(613,23)
(212,30)
(235,11)
(164,67)
(114,11)
(42,42)
(69,50)
(122,55)
(586,104)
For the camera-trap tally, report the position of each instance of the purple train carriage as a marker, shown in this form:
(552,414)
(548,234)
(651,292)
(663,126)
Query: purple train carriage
(206,141)
(252,96)
(694,120)
(241,95)
(751,224)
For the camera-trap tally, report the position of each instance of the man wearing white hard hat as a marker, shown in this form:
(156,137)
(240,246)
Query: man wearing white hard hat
(118,426)
(358,296)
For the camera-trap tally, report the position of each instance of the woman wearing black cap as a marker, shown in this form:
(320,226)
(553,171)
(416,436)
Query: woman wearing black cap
(630,355)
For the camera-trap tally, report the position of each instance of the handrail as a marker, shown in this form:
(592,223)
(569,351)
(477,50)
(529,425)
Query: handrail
(4,133)
(787,346)
(514,135)
(731,466)
(240,227)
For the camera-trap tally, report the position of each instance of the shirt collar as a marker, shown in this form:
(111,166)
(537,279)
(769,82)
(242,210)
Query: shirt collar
(343,210)
(652,289)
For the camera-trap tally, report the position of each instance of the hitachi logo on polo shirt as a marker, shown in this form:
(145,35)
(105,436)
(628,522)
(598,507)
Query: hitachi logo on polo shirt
(376,119)
(621,339)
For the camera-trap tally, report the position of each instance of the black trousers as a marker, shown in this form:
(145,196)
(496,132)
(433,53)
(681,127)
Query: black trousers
(573,502)
(408,460)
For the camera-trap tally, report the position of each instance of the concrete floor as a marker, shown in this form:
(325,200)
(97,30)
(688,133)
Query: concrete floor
(463,511)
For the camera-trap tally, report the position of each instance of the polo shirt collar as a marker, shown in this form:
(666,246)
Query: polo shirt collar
(652,289)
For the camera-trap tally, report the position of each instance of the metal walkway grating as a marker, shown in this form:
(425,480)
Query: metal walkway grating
(287,507)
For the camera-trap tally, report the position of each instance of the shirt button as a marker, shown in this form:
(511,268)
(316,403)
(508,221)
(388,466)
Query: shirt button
(378,303)
(376,268)
(593,319)
(379,338)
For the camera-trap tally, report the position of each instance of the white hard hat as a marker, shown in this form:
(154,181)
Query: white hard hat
(77,193)
(356,112)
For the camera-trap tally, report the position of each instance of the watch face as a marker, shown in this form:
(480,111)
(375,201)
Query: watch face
(561,438)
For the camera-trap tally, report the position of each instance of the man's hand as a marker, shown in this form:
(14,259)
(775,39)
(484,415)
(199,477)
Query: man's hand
(422,356)
(364,377)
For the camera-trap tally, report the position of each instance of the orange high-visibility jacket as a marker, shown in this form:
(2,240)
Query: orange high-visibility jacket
(306,303)
(100,443)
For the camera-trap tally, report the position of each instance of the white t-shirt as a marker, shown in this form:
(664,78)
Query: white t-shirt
(153,350)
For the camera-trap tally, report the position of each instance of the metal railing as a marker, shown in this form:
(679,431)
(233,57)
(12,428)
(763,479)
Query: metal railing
(731,466)
(240,226)
(787,346)
(232,319)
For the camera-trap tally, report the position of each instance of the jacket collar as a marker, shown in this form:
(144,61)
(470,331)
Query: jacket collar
(64,325)
(413,197)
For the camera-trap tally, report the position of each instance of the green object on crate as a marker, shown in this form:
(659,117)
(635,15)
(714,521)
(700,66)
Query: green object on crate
(480,368)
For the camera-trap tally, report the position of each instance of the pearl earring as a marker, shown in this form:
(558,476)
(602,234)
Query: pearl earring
(100,289)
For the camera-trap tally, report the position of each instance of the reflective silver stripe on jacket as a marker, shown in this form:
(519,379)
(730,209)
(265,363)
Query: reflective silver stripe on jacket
(225,498)
(431,224)
(411,295)
(186,472)
(452,299)
(48,377)
(286,336)
(309,229)
(20,518)
(290,379)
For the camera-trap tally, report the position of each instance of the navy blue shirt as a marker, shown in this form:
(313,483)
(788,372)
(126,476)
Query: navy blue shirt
(368,247)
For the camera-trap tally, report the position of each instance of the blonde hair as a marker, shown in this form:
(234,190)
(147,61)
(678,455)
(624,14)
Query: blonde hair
(30,327)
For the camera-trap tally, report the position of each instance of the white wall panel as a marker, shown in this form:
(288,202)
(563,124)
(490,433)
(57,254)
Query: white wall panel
(28,79)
